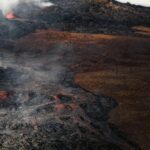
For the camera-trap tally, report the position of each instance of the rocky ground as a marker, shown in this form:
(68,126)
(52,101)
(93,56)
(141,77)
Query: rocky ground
(86,16)
(40,105)
(42,108)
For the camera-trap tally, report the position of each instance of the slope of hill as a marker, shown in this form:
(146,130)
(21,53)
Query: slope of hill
(91,16)
(107,16)
(41,107)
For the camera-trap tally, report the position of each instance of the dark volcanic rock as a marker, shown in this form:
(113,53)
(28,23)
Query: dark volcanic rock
(19,27)
(37,116)
(105,16)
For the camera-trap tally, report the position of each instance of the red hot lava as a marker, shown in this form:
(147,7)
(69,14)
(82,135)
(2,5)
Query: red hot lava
(10,15)
(3,95)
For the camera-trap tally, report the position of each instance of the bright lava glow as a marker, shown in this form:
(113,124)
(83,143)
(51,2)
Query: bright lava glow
(7,5)
(137,2)
(10,15)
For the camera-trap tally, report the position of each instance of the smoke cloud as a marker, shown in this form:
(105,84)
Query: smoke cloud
(137,2)
(7,5)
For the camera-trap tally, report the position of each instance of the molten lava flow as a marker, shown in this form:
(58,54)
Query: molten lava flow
(3,95)
(10,15)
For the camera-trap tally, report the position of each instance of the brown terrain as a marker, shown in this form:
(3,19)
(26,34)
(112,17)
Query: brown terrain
(118,66)
(142,30)
(75,76)
(42,107)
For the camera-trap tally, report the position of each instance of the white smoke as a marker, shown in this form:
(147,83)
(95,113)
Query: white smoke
(137,2)
(7,5)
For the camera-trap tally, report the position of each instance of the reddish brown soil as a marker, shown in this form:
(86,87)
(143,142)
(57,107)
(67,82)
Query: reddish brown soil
(116,66)
(119,67)
(142,30)
(3,95)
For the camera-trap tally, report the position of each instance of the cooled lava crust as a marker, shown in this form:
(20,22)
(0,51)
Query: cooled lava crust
(40,105)
(44,108)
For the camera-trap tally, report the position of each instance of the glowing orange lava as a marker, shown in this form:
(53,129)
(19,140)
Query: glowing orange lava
(3,95)
(10,15)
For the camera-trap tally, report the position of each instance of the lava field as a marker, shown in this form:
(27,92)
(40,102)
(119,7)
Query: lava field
(41,106)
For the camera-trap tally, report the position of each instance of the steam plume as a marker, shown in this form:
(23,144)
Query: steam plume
(7,5)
